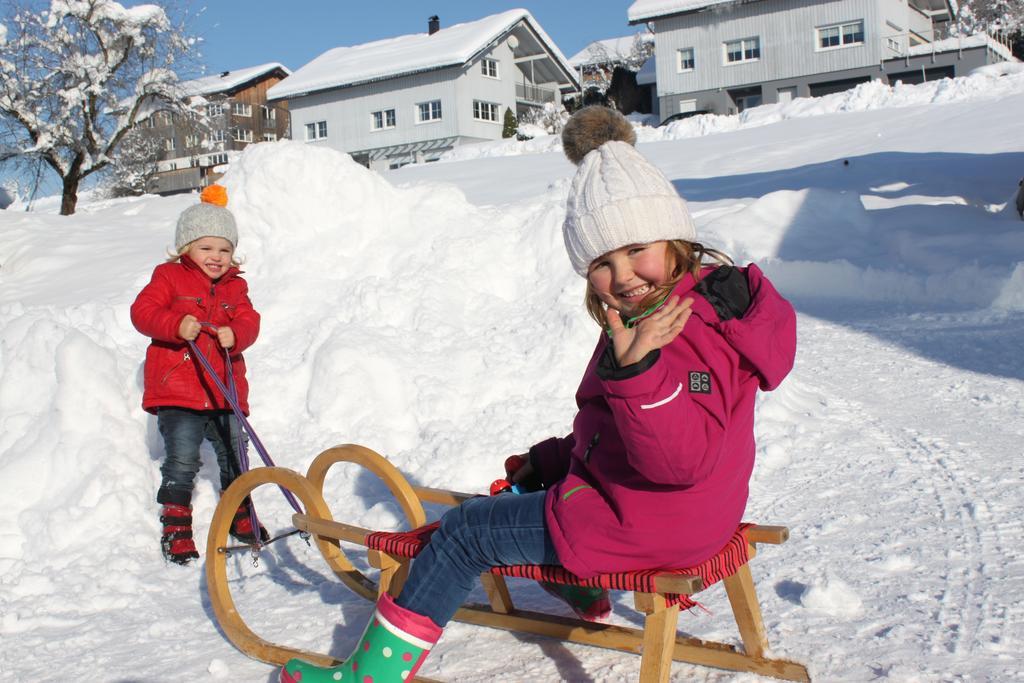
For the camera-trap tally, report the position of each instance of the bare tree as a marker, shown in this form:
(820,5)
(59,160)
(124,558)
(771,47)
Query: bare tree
(77,75)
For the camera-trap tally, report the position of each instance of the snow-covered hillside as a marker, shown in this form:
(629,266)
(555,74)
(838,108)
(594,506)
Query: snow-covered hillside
(431,314)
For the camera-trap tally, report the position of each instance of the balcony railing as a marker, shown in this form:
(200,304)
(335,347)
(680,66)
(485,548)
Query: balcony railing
(899,44)
(535,93)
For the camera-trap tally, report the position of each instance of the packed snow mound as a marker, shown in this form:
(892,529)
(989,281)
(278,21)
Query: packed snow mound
(985,83)
(1011,296)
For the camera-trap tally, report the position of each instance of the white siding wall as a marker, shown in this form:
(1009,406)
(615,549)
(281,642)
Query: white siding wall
(473,85)
(893,26)
(919,23)
(348,111)
(788,42)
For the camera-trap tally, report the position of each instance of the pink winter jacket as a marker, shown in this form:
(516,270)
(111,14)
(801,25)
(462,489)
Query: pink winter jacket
(656,469)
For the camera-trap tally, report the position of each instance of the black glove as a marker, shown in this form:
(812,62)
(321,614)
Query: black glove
(727,290)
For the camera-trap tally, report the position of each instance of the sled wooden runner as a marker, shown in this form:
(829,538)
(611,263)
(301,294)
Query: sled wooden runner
(658,641)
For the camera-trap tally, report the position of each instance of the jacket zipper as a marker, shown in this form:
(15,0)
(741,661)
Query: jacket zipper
(167,374)
(197,299)
(590,447)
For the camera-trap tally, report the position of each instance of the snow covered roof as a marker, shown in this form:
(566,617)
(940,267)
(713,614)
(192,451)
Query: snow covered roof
(600,51)
(228,80)
(452,46)
(643,10)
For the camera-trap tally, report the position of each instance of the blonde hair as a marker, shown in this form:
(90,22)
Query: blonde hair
(681,258)
(175,256)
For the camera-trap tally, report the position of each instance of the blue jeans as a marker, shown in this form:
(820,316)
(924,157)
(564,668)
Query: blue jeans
(183,431)
(481,533)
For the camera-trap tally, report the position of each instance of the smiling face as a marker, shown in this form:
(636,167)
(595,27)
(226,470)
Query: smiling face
(212,255)
(623,279)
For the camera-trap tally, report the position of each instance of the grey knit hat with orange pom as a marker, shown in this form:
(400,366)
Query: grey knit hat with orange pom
(617,197)
(209,218)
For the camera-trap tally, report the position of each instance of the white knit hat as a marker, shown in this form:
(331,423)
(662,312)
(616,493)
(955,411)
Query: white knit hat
(617,197)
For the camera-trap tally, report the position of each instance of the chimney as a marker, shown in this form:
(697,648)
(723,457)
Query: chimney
(433,25)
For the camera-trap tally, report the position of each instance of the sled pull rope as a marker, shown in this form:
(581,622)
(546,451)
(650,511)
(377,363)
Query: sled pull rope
(231,396)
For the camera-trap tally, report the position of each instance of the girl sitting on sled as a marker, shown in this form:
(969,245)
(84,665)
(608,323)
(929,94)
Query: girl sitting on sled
(656,469)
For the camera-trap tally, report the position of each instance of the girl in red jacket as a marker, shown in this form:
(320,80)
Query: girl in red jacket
(198,295)
(655,471)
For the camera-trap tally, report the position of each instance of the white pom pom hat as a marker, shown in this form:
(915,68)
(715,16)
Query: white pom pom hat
(618,198)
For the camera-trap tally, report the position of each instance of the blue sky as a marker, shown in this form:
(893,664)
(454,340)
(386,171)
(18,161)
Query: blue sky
(241,33)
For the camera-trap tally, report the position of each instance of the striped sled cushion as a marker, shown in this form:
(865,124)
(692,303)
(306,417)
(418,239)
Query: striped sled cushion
(734,555)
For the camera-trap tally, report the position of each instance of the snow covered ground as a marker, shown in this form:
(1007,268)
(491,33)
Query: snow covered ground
(431,315)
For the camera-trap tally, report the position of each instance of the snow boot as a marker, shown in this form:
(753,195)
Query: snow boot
(589,604)
(241,525)
(393,646)
(176,541)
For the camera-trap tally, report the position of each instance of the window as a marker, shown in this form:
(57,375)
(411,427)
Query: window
(685,57)
(191,140)
(744,50)
(429,111)
(242,134)
(383,119)
(269,137)
(489,68)
(268,113)
(192,115)
(218,135)
(316,131)
(214,109)
(485,111)
(841,35)
(169,144)
(216,159)
(241,109)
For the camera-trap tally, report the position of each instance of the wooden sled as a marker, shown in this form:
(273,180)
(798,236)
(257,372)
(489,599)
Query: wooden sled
(657,642)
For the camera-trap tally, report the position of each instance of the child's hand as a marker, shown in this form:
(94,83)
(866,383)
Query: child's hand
(524,471)
(188,328)
(653,332)
(226,337)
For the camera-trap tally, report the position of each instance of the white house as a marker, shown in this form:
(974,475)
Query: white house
(408,99)
(724,56)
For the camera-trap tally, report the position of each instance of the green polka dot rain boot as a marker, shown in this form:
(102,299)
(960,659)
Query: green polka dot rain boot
(393,646)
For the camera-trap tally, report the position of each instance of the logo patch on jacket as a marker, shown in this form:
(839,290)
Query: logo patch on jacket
(700,382)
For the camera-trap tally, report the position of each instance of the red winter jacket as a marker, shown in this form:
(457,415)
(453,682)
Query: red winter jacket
(655,471)
(172,376)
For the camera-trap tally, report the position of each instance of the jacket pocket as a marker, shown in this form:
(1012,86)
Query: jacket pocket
(184,359)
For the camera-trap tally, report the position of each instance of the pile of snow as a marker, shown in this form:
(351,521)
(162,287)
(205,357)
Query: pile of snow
(985,83)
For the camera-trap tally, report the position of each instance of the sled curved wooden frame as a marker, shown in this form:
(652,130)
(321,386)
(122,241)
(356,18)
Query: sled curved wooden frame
(657,642)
